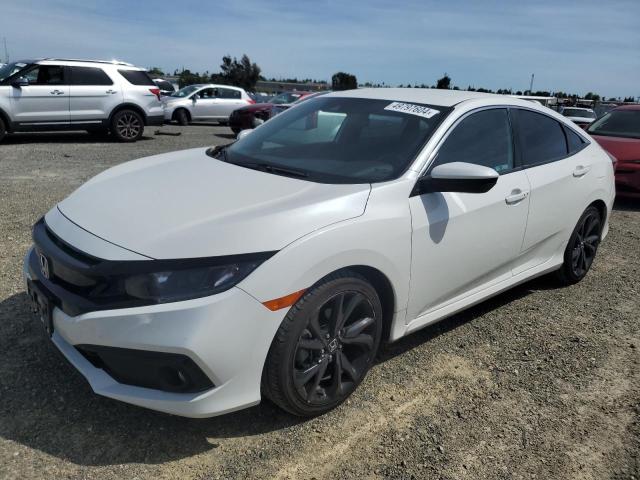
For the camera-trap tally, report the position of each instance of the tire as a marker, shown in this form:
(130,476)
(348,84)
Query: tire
(127,126)
(182,117)
(3,129)
(236,131)
(317,359)
(582,247)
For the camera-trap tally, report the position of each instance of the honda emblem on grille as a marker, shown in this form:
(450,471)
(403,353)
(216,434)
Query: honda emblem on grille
(44,266)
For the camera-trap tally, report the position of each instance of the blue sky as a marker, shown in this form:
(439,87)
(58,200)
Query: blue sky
(570,45)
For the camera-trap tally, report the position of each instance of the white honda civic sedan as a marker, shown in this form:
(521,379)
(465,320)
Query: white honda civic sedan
(198,282)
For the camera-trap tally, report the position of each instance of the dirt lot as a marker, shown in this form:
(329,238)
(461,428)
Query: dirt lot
(538,383)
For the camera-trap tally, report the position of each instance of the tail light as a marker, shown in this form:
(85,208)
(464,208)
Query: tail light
(156,92)
(251,101)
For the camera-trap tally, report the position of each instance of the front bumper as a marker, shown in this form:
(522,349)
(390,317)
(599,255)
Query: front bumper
(628,179)
(227,336)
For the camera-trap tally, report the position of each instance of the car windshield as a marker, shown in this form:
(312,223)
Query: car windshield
(185,92)
(286,97)
(575,112)
(617,123)
(340,140)
(10,69)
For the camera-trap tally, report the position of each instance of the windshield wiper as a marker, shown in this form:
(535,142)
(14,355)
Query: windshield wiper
(275,169)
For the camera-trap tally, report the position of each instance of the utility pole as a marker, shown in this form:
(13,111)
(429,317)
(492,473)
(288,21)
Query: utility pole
(6,52)
(531,84)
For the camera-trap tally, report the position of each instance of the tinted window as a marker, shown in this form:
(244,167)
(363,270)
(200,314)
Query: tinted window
(207,93)
(89,76)
(541,137)
(228,93)
(137,77)
(46,75)
(483,138)
(574,140)
(331,140)
(618,123)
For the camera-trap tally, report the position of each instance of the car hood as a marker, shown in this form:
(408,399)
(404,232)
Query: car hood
(624,149)
(186,204)
(256,107)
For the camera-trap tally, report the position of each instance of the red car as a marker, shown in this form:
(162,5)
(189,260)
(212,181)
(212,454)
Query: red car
(253,115)
(618,132)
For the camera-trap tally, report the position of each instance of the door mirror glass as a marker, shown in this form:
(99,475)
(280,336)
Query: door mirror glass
(20,82)
(458,177)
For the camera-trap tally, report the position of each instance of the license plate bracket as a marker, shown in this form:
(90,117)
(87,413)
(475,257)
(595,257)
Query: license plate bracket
(42,306)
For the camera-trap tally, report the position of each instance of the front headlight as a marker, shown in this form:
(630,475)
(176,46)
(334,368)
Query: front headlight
(184,284)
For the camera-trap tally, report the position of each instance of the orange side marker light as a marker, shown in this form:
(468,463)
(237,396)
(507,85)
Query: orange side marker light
(283,302)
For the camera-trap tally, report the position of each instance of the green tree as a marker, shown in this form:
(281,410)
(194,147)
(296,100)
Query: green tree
(156,72)
(343,81)
(243,73)
(444,82)
(592,96)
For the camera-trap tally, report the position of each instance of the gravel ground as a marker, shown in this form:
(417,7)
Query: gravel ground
(539,382)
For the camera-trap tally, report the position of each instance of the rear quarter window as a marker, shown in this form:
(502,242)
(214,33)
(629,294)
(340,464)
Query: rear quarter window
(137,77)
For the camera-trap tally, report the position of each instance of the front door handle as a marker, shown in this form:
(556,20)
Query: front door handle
(516,196)
(56,92)
(581,170)
(111,92)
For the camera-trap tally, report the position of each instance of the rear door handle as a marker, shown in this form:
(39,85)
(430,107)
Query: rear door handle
(57,92)
(516,196)
(581,170)
(111,92)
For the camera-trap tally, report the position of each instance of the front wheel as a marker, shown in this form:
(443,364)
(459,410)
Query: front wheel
(127,126)
(182,117)
(582,247)
(325,345)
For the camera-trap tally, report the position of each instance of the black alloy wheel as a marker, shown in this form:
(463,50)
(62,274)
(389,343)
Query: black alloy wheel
(582,247)
(325,345)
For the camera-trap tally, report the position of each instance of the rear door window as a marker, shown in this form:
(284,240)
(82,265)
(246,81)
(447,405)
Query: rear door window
(89,76)
(229,93)
(542,138)
(137,77)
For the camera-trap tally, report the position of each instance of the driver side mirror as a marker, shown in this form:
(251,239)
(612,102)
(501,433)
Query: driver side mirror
(20,82)
(461,177)
(194,98)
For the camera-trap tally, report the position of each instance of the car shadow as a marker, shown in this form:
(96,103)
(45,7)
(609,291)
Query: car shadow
(229,136)
(626,205)
(47,405)
(61,138)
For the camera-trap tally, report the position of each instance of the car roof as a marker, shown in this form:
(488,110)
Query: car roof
(580,108)
(125,65)
(214,85)
(430,96)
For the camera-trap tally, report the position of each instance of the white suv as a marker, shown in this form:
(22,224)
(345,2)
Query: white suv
(97,96)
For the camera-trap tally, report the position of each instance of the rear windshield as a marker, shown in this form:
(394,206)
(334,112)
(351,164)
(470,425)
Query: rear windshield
(341,140)
(618,123)
(137,77)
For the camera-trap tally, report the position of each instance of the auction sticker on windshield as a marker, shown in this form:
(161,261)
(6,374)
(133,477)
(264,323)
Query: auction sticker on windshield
(412,109)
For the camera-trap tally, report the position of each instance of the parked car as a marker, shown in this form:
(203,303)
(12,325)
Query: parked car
(196,282)
(253,115)
(97,96)
(204,102)
(580,116)
(618,132)
(165,86)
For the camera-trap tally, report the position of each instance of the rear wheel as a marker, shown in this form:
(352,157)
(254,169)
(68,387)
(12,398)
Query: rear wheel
(182,117)
(3,129)
(582,247)
(127,126)
(325,346)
